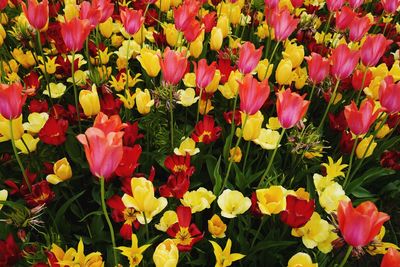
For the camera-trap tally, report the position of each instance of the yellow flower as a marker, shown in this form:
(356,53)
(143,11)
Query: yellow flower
(62,172)
(36,121)
(321,182)
(116,40)
(283,73)
(196,47)
(383,131)
(301,260)
(213,86)
(198,200)
(377,246)
(80,77)
(171,33)
(25,59)
(326,245)
(106,28)
(261,69)
(143,101)
(17,128)
(102,57)
(224,257)
(128,99)
(223,24)
(273,123)
(169,218)
(216,39)
(230,88)
(271,200)
(119,84)
(134,253)
(189,80)
(166,254)
(3,196)
(187,97)
(236,154)
(252,128)
(163,5)
(300,77)
(74,257)
(268,139)
(149,61)
(143,200)
(205,106)
(89,100)
(330,197)
(216,227)
(188,145)
(295,53)
(27,143)
(233,203)
(57,90)
(334,169)
(366,143)
(51,65)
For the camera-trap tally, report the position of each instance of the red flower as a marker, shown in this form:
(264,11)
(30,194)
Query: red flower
(209,21)
(391,258)
(373,49)
(108,124)
(120,213)
(254,209)
(249,57)
(298,211)
(75,32)
(355,3)
(53,132)
(12,100)
(132,20)
(237,118)
(334,5)
(346,142)
(318,67)
(389,95)
(358,28)
(185,234)
(179,165)
(110,105)
(173,66)
(184,14)
(360,225)
(343,61)
(359,121)
(337,122)
(193,30)
(390,6)
(205,131)
(176,186)
(204,73)
(391,160)
(357,79)
(32,81)
(291,108)
(224,66)
(129,161)
(106,8)
(284,24)
(9,252)
(90,12)
(3,4)
(41,194)
(37,14)
(344,18)
(253,94)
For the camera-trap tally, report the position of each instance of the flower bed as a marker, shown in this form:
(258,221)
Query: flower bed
(170,132)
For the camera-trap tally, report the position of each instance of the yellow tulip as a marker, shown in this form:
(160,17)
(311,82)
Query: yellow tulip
(233,203)
(383,131)
(216,39)
(366,143)
(198,200)
(273,123)
(216,227)
(300,77)
(187,97)
(25,59)
(166,253)
(80,77)
(262,69)
(235,154)
(3,196)
(271,200)
(71,10)
(164,5)
(196,47)
(205,106)
(116,40)
(62,172)
(231,87)
(128,99)
(143,101)
(36,121)
(268,139)
(330,197)
(189,80)
(223,24)
(27,143)
(106,28)
(188,145)
(283,73)
(252,127)
(301,260)
(295,53)
(175,3)
(171,33)
(169,218)
(149,61)
(17,128)
(89,100)
(57,90)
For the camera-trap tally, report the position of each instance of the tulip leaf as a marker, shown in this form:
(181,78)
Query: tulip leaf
(368,177)
(96,212)
(217,177)
(73,149)
(227,147)
(361,192)
(64,207)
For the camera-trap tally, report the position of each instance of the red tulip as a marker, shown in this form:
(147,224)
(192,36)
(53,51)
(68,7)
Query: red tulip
(373,49)
(249,57)
(37,14)
(204,73)
(41,194)
(359,121)
(298,211)
(284,24)
(360,225)
(334,5)
(10,252)
(132,20)
(75,32)
(173,66)
(209,21)
(106,8)
(184,14)
(176,186)
(355,3)
(131,134)
(103,151)
(271,4)
(179,164)
(390,6)
(358,28)
(297,3)
(253,94)
(318,67)
(357,79)
(389,95)
(343,61)
(90,12)
(205,131)
(391,160)
(344,18)
(193,30)
(391,258)
(12,100)
(290,107)
(3,4)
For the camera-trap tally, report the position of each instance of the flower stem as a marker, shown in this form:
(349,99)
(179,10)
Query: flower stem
(263,219)
(44,65)
(171,118)
(362,85)
(312,92)
(350,163)
(198,105)
(270,59)
(333,96)
(271,159)
(349,249)
(17,157)
(110,226)
(246,155)
(146,226)
(75,92)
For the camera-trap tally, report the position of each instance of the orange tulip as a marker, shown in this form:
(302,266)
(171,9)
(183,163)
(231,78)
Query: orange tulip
(108,124)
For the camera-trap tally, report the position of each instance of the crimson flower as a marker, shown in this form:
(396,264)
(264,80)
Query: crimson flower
(298,211)
(358,28)
(129,161)
(205,131)
(391,160)
(184,14)
(176,186)
(41,194)
(391,258)
(90,12)
(357,79)
(359,120)
(131,134)
(9,252)
(53,132)
(179,164)
(344,18)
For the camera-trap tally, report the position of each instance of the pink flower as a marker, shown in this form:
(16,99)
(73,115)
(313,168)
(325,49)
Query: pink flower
(252,94)
(173,66)
(343,61)
(355,3)
(12,100)
(360,120)
(249,57)
(37,14)
(132,20)
(358,28)
(284,24)
(75,32)
(344,18)
(373,49)
(390,6)
(204,73)
(184,14)
(106,8)
(90,12)
(318,67)
(334,5)
(389,95)
(291,107)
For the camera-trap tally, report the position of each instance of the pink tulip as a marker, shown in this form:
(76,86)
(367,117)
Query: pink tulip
(318,67)
(390,6)
(106,8)
(37,14)
(252,94)
(204,73)
(12,100)
(344,18)
(173,66)
(355,3)
(343,61)
(132,20)
(90,12)
(334,5)
(358,28)
(284,24)
(373,49)
(290,107)
(389,95)
(249,57)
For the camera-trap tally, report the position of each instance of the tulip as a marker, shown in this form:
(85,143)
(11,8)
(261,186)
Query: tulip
(74,33)
(37,14)
(290,107)
(318,67)
(390,6)
(193,31)
(389,95)
(271,200)
(355,3)
(233,203)
(284,24)
(358,28)
(106,8)
(360,225)
(343,61)
(301,259)
(204,73)
(344,18)
(166,253)
(216,39)
(27,144)
(90,12)
(12,100)
(3,196)
(106,28)
(108,124)
(198,200)
(297,3)
(373,49)
(252,129)
(103,151)
(205,131)
(283,74)
(249,57)
(253,94)
(295,53)
(358,77)
(143,101)
(225,257)
(89,100)
(213,86)
(391,258)
(132,20)
(360,120)
(196,47)
(149,61)
(173,66)
(62,172)
(184,14)
(366,143)
(298,211)
(3,4)
(216,227)
(334,5)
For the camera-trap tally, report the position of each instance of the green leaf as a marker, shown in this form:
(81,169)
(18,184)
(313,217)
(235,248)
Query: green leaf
(65,206)
(368,177)
(73,149)
(240,179)
(97,213)
(227,147)
(361,192)
(217,177)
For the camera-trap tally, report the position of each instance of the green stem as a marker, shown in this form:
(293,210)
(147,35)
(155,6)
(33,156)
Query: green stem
(258,231)
(146,226)
(75,92)
(171,117)
(362,85)
(333,96)
(348,252)
(312,92)
(270,59)
(351,162)
(44,65)
(327,27)
(246,155)
(17,157)
(271,160)
(110,226)
(233,117)
(198,105)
